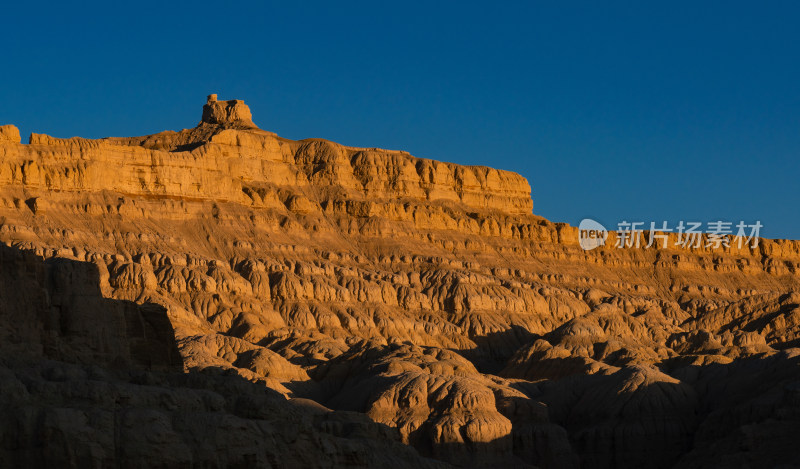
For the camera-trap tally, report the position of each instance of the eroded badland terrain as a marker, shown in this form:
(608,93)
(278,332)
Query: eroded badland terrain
(224,297)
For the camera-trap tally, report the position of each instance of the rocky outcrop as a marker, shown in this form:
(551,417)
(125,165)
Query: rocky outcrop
(361,292)
(9,133)
(227,159)
(231,114)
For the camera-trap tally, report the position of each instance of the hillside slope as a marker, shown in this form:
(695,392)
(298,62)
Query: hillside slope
(392,297)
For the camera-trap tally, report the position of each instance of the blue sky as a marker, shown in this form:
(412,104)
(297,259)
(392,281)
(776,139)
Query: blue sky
(614,111)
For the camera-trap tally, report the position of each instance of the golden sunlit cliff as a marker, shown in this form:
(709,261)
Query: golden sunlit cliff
(333,306)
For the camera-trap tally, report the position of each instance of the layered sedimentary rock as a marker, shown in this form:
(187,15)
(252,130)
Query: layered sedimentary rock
(377,299)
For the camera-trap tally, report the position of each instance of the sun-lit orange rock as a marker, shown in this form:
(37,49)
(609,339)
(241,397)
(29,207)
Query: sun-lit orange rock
(406,307)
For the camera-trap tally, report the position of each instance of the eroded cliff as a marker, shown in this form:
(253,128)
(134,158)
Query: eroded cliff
(425,295)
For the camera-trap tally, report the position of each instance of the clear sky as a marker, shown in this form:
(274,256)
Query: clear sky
(636,111)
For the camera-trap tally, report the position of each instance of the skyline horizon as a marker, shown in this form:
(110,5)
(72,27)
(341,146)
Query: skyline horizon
(575,224)
(611,112)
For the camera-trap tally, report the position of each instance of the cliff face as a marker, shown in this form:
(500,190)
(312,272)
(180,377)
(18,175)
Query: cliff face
(219,161)
(425,295)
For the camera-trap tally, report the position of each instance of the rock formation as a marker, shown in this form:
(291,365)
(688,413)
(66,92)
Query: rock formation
(230,114)
(223,296)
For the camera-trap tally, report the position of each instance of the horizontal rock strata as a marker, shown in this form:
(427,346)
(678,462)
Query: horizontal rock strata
(374,293)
